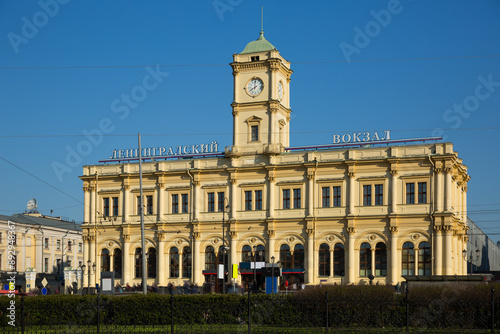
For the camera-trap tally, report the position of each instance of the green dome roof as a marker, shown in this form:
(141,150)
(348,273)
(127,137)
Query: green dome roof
(260,45)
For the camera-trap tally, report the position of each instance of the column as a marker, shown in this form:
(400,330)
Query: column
(272,125)
(92,261)
(271,195)
(86,247)
(456,254)
(161,259)
(395,270)
(310,256)
(197,265)
(394,191)
(196,195)
(332,264)
(416,259)
(310,192)
(92,204)
(351,263)
(447,195)
(438,250)
(234,197)
(86,201)
(448,264)
(126,203)
(439,189)
(372,259)
(161,199)
(351,192)
(127,267)
(464,201)
(180,261)
(270,246)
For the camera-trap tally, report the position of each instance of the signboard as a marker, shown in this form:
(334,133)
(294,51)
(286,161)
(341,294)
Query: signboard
(220,272)
(360,137)
(163,152)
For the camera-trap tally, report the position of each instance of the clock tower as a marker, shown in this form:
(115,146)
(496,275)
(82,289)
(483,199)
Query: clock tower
(261,100)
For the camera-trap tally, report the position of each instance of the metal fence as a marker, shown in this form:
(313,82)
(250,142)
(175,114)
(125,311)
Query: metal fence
(316,311)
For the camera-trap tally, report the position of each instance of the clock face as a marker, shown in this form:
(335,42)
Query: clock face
(255,86)
(280,90)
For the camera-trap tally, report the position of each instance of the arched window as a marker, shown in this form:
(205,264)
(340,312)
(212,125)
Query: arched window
(105,260)
(117,262)
(380,259)
(210,260)
(365,260)
(324,260)
(246,254)
(424,258)
(151,262)
(260,253)
(186,262)
(286,257)
(338,260)
(220,258)
(408,259)
(138,262)
(298,256)
(174,262)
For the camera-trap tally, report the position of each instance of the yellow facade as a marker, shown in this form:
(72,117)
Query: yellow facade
(337,215)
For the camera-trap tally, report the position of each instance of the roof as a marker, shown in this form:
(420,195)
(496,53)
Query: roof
(43,221)
(260,45)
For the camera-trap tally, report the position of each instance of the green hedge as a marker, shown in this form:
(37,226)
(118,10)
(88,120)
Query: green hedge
(348,306)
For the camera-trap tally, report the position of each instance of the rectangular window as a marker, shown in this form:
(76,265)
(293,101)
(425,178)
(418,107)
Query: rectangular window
(296,198)
(379,194)
(175,203)
(46,265)
(422,192)
(79,247)
(367,195)
(184,203)
(139,204)
(258,199)
(115,206)
(336,196)
(46,243)
(286,198)
(69,246)
(149,203)
(220,201)
(1,241)
(248,200)
(325,191)
(211,202)
(255,133)
(106,206)
(410,193)
(58,244)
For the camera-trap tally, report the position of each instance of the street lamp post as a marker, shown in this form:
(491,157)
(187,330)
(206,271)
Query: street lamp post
(254,267)
(88,273)
(224,208)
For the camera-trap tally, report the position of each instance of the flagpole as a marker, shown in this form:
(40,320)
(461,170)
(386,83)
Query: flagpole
(141,209)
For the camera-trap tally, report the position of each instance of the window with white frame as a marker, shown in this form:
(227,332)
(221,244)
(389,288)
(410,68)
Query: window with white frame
(373,193)
(179,202)
(291,197)
(252,199)
(331,196)
(416,192)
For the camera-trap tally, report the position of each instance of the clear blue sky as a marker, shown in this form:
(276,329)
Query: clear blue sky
(404,66)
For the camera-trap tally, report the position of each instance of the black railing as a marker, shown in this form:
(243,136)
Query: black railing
(335,309)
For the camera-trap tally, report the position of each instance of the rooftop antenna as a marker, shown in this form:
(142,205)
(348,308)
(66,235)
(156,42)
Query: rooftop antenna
(262,19)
